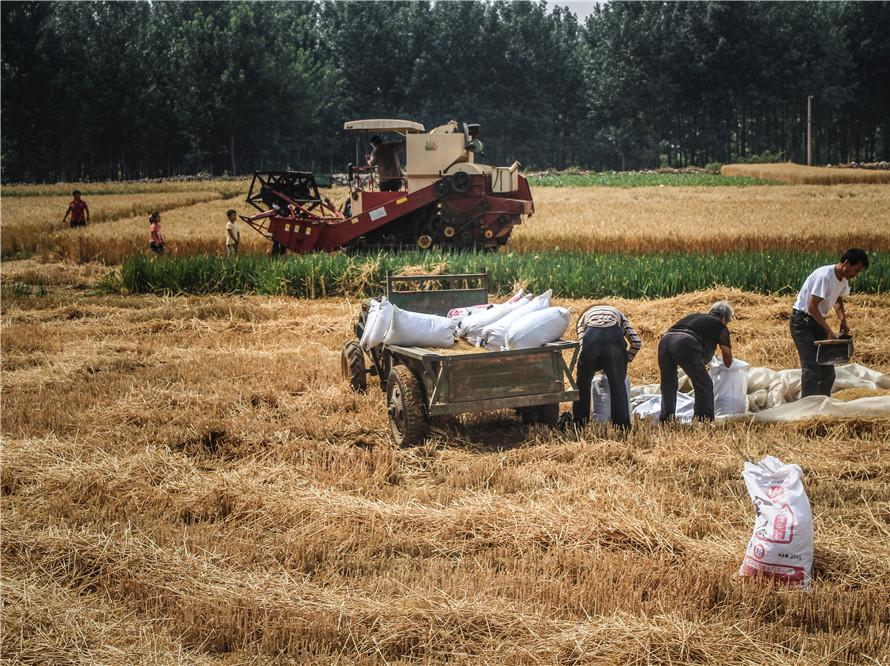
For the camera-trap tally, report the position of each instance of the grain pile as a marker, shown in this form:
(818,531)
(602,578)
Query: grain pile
(186,480)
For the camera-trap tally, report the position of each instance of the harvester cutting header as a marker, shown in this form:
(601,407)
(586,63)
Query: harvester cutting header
(443,199)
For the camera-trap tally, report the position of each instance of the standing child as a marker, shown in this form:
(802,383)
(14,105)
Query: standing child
(233,234)
(78,210)
(156,239)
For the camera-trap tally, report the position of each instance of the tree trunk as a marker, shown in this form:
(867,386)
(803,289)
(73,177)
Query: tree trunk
(232,152)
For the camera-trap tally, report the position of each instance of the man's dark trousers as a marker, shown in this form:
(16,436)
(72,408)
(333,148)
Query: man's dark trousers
(677,348)
(603,349)
(815,379)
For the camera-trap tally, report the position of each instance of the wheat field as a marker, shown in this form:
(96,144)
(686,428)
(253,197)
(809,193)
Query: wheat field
(707,219)
(29,224)
(186,480)
(799,174)
(594,219)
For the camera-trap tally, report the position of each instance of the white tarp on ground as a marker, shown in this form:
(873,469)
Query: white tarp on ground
(774,395)
(820,405)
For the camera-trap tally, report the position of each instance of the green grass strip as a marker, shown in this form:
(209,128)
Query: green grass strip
(569,274)
(644,179)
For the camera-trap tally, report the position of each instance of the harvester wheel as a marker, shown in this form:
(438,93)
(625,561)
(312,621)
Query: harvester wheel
(448,232)
(460,182)
(424,241)
(404,404)
(352,366)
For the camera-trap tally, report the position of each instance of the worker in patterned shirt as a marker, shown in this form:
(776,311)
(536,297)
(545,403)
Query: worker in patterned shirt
(608,343)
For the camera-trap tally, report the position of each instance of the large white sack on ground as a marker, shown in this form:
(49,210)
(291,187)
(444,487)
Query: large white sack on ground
(414,329)
(781,545)
(650,408)
(494,336)
(537,328)
(471,327)
(730,387)
(821,405)
(377,323)
(601,398)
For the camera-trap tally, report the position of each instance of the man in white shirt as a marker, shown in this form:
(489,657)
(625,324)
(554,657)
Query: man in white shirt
(233,234)
(823,290)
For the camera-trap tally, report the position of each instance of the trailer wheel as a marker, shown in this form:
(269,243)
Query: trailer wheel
(548,415)
(352,366)
(404,404)
(540,414)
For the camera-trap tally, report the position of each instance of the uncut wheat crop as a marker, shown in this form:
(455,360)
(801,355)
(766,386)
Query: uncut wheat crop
(223,186)
(707,219)
(190,230)
(809,218)
(799,174)
(186,480)
(29,222)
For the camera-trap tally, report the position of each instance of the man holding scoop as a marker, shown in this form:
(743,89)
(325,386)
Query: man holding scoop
(824,289)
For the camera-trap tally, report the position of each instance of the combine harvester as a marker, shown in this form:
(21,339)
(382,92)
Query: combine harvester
(447,200)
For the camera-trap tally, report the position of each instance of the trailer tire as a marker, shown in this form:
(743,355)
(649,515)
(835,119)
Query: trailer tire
(404,406)
(540,414)
(352,366)
(548,415)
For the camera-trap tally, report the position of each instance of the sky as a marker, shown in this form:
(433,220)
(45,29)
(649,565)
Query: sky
(581,8)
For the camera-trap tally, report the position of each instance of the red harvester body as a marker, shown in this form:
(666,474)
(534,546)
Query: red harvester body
(446,200)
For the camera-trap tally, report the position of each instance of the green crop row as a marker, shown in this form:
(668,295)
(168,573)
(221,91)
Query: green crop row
(642,179)
(570,275)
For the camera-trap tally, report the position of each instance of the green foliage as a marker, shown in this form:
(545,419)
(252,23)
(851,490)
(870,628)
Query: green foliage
(570,275)
(111,90)
(642,179)
(766,157)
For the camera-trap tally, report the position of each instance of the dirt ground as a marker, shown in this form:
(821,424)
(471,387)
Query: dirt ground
(187,480)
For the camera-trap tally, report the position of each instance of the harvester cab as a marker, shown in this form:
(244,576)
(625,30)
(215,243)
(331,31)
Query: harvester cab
(443,198)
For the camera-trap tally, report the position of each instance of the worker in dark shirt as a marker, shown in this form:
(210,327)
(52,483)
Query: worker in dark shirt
(690,344)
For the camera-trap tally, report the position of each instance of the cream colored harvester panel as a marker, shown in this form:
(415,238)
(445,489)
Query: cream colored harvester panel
(429,154)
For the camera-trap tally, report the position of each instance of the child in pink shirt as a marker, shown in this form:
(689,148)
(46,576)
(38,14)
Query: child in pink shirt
(156,237)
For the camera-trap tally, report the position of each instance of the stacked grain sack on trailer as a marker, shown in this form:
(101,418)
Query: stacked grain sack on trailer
(522,322)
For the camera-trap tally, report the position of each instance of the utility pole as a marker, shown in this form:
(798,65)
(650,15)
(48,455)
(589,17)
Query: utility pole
(809,130)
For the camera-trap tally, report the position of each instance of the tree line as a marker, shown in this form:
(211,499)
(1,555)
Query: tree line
(106,90)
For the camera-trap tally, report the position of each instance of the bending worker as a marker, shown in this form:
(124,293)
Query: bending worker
(823,290)
(608,343)
(690,344)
